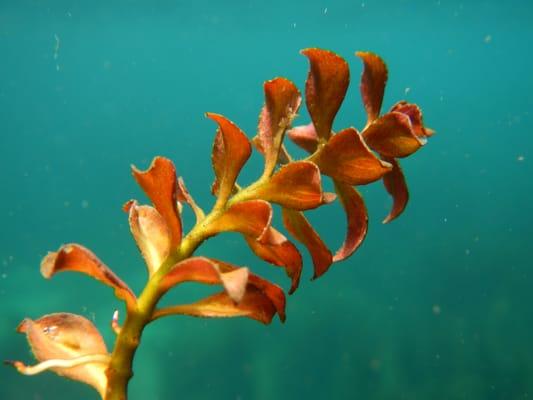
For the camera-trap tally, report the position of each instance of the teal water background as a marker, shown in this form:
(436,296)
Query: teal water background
(436,305)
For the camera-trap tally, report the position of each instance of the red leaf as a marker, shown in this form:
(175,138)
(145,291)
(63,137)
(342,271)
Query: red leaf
(325,88)
(305,137)
(231,150)
(301,229)
(282,100)
(373,81)
(251,218)
(415,116)
(151,234)
(73,257)
(392,135)
(346,158)
(357,219)
(159,184)
(206,271)
(296,185)
(279,251)
(395,184)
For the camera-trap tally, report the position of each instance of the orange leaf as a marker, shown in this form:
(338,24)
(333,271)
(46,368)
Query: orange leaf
(151,234)
(159,184)
(305,137)
(415,116)
(392,135)
(261,299)
(346,158)
(279,251)
(301,229)
(325,88)
(61,339)
(73,257)
(251,218)
(206,271)
(373,81)
(357,218)
(296,185)
(231,150)
(282,100)
(395,184)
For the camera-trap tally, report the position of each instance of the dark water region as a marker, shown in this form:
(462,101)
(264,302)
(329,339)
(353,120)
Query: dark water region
(436,305)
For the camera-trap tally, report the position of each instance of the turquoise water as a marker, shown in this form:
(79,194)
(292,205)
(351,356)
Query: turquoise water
(436,305)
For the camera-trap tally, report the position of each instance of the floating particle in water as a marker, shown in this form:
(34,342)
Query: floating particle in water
(4,275)
(407,90)
(520,158)
(325,10)
(436,309)
(487,38)
(467,252)
(84,204)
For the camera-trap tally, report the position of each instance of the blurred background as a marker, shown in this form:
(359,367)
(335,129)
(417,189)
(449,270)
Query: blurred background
(436,305)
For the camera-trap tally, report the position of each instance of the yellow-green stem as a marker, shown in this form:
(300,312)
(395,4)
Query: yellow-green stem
(120,368)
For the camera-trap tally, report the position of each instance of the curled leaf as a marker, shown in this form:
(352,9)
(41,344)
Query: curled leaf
(251,218)
(392,135)
(298,226)
(151,234)
(296,185)
(231,150)
(396,185)
(325,88)
(68,344)
(277,250)
(415,116)
(73,257)
(282,100)
(305,137)
(373,81)
(346,158)
(183,196)
(357,218)
(261,301)
(159,184)
(206,271)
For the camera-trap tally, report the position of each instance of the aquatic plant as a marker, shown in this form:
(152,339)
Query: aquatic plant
(70,344)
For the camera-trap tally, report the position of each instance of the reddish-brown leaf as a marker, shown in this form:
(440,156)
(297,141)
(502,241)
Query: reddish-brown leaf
(296,185)
(346,158)
(231,150)
(251,218)
(325,88)
(73,257)
(260,301)
(151,234)
(63,337)
(415,115)
(357,219)
(282,100)
(305,137)
(206,271)
(392,135)
(159,184)
(279,251)
(298,226)
(396,185)
(373,81)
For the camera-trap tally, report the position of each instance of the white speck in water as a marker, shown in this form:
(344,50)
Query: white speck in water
(294,24)
(436,309)
(520,158)
(84,204)
(407,90)
(4,275)
(445,220)
(467,252)
(487,39)
(325,10)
